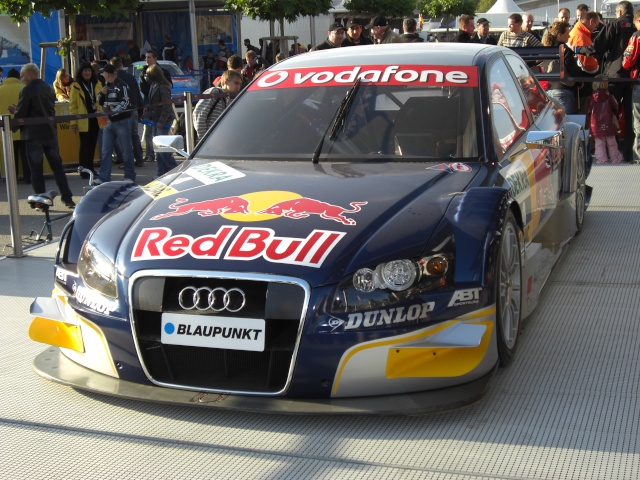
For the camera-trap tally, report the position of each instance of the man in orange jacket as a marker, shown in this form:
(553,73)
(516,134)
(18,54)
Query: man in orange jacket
(580,36)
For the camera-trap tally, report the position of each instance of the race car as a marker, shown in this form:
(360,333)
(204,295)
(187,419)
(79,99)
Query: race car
(363,230)
(182,82)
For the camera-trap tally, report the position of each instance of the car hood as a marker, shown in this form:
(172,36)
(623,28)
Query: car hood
(315,222)
(181,80)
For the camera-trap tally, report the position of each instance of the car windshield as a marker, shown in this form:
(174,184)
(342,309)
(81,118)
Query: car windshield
(172,68)
(406,121)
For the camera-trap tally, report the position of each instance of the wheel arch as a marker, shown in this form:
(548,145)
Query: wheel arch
(476,219)
(95,206)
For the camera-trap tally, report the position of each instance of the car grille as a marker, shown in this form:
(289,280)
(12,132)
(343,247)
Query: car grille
(280,304)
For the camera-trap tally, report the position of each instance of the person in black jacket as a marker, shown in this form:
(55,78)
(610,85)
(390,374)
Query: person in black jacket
(37,99)
(135,99)
(151,58)
(354,35)
(409,26)
(335,37)
(114,99)
(482,33)
(613,41)
(465,22)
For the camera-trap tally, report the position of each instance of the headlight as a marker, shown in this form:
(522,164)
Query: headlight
(391,282)
(397,275)
(97,271)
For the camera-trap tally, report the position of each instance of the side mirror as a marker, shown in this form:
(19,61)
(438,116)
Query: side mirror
(169,144)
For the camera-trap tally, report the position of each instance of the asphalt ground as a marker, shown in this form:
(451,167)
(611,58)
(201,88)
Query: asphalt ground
(31,221)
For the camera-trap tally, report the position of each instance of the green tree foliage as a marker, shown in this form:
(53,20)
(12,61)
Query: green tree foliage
(21,10)
(484,5)
(447,8)
(388,8)
(275,10)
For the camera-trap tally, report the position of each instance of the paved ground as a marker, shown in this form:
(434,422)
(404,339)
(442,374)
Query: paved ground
(568,407)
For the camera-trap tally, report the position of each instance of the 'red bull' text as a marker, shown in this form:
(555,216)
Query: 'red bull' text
(245,244)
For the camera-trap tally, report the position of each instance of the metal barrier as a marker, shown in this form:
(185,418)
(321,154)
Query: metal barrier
(12,186)
(9,158)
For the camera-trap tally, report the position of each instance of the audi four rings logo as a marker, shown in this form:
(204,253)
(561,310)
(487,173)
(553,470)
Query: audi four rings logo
(216,299)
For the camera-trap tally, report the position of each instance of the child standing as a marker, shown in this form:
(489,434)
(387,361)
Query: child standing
(602,111)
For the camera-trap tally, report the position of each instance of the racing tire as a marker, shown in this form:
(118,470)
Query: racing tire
(508,291)
(581,187)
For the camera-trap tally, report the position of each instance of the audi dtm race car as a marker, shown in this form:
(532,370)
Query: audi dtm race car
(363,230)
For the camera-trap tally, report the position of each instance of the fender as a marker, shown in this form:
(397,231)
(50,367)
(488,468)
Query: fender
(584,135)
(95,205)
(574,136)
(475,219)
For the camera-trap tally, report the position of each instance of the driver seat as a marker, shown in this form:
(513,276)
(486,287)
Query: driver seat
(427,126)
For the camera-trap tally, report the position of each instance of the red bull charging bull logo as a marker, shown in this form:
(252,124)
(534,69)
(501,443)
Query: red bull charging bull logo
(206,208)
(260,206)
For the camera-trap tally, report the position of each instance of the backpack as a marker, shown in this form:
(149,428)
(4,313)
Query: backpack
(205,107)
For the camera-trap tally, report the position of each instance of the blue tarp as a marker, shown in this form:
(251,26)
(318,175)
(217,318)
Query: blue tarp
(21,43)
(43,29)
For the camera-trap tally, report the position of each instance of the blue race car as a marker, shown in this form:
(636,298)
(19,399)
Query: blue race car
(362,230)
(182,82)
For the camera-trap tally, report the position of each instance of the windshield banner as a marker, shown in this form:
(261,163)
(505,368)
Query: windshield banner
(423,75)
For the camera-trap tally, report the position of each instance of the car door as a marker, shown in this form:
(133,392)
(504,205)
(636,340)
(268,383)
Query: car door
(547,163)
(513,113)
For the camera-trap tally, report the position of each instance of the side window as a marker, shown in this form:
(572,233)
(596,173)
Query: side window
(508,114)
(536,99)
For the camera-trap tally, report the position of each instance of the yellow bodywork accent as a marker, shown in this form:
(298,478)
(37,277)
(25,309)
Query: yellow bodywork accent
(54,332)
(437,361)
(448,357)
(98,342)
(393,341)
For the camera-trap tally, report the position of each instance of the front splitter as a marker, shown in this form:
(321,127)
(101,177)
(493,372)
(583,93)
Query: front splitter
(53,365)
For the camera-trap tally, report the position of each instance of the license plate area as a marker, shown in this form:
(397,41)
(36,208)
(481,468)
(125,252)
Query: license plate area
(207,331)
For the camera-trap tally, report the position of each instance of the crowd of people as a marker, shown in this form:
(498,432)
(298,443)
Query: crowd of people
(593,49)
(595,53)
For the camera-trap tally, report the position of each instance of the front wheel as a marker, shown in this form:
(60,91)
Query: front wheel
(509,291)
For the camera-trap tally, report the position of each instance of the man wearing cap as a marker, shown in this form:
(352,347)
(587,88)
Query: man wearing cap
(382,32)
(335,37)
(482,33)
(466,29)
(114,99)
(354,35)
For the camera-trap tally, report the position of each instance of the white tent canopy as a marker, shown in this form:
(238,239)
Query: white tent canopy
(505,6)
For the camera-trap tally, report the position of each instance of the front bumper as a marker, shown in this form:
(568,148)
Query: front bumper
(52,365)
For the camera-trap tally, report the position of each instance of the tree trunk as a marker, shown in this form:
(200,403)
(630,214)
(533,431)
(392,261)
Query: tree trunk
(283,43)
(72,53)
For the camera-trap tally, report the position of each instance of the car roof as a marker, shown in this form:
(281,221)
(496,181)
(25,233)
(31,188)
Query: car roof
(419,53)
(160,62)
